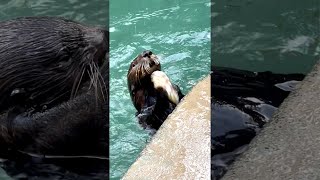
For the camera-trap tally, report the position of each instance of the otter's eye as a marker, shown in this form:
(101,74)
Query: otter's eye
(151,63)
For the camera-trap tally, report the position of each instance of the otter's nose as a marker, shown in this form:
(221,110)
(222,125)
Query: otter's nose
(146,53)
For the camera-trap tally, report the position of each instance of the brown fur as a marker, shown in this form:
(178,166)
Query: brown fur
(138,76)
(152,104)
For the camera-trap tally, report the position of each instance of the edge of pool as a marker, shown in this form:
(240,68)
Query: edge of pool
(288,146)
(181,147)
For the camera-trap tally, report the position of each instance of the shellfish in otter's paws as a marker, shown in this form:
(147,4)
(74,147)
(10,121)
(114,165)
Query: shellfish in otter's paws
(162,82)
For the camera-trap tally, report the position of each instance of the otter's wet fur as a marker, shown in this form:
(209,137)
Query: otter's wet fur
(45,59)
(242,102)
(61,67)
(76,131)
(52,59)
(76,127)
(152,105)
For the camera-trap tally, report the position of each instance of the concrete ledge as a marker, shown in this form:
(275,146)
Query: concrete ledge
(181,147)
(289,146)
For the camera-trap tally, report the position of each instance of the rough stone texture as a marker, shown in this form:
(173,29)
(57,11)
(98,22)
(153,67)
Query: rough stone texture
(181,147)
(289,146)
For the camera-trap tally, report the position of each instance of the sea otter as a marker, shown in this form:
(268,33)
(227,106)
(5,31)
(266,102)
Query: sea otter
(151,92)
(78,126)
(242,102)
(44,60)
(54,95)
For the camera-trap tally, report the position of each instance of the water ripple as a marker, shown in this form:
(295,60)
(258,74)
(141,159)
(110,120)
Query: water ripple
(179,33)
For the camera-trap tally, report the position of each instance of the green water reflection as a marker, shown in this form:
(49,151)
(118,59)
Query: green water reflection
(281,36)
(177,31)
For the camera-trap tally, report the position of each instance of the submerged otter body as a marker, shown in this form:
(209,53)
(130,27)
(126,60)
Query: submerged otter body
(74,127)
(153,104)
(53,96)
(70,137)
(43,60)
(242,102)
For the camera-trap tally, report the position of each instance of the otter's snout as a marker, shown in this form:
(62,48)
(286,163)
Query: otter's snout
(153,59)
(146,54)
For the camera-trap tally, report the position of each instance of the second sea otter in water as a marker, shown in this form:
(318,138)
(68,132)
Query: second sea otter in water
(151,91)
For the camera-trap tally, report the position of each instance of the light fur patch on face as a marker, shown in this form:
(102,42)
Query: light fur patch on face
(162,81)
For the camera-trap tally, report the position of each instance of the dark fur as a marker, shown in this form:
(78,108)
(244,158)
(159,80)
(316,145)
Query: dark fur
(44,57)
(42,60)
(78,127)
(46,106)
(75,127)
(151,104)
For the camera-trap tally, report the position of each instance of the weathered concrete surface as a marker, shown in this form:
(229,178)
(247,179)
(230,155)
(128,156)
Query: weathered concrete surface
(181,147)
(289,146)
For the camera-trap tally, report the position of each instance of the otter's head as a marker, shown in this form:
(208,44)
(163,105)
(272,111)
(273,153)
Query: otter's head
(141,69)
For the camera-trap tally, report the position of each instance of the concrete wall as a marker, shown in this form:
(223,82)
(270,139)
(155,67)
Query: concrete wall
(289,146)
(181,147)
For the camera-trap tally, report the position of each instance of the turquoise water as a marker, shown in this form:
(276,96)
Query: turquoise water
(94,12)
(281,36)
(178,31)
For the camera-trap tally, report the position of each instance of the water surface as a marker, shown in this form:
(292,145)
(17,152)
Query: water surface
(178,31)
(259,35)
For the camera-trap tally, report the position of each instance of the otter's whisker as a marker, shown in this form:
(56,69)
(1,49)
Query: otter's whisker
(90,72)
(102,84)
(95,84)
(93,80)
(77,83)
